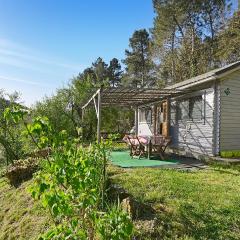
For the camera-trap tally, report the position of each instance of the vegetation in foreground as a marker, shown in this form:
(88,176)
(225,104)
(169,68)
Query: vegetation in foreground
(189,205)
(71,183)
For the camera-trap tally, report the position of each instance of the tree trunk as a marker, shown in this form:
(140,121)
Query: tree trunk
(173,59)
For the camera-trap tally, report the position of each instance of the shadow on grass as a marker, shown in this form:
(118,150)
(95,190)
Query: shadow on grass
(207,222)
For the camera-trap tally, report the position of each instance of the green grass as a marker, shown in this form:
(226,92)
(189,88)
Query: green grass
(20,217)
(230,154)
(189,205)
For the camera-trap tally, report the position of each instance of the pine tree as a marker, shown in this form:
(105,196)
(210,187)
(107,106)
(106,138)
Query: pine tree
(229,41)
(184,36)
(100,68)
(139,64)
(114,73)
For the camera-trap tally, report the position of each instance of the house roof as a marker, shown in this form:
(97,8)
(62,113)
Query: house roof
(206,77)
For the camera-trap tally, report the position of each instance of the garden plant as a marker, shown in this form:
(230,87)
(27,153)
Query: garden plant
(71,184)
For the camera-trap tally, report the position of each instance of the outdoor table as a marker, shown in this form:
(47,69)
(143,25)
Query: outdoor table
(158,142)
(147,144)
(139,143)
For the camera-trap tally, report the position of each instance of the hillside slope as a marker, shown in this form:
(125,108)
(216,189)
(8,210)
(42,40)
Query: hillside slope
(20,217)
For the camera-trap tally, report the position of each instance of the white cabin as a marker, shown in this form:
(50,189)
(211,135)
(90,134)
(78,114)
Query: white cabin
(204,120)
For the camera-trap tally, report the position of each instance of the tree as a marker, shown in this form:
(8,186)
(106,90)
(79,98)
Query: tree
(100,68)
(114,73)
(11,140)
(184,36)
(64,108)
(139,64)
(60,110)
(229,41)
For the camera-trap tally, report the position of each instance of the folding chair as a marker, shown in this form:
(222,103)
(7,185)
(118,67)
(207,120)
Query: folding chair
(136,148)
(159,144)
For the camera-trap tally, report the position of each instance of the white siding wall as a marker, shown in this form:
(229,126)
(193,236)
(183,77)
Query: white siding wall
(194,137)
(230,112)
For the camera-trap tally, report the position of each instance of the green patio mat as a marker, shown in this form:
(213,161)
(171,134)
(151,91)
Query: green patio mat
(123,159)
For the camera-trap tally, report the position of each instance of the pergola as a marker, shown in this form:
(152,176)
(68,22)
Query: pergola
(123,97)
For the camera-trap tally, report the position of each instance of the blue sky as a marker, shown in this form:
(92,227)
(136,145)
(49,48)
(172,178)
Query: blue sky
(44,43)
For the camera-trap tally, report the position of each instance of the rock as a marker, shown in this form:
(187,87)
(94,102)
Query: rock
(131,207)
(117,193)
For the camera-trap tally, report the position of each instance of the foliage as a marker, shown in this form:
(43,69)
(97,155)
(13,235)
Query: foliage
(115,225)
(61,110)
(10,132)
(72,183)
(115,73)
(185,37)
(64,108)
(102,74)
(229,40)
(139,64)
(230,154)
(72,186)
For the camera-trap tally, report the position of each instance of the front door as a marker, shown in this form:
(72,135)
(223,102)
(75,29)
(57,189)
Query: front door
(162,119)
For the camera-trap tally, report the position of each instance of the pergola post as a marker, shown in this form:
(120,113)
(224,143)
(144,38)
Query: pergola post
(99,106)
(136,120)
(168,116)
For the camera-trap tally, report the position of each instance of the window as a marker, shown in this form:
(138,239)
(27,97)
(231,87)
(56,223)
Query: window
(145,115)
(195,108)
(183,109)
(190,109)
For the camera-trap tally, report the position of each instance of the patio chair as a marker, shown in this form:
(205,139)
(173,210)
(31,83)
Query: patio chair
(135,145)
(159,145)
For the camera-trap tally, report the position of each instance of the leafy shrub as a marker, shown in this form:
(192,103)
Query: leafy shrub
(11,139)
(21,170)
(115,224)
(230,154)
(72,184)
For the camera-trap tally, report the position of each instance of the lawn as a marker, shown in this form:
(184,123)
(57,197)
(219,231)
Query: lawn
(189,205)
(20,217)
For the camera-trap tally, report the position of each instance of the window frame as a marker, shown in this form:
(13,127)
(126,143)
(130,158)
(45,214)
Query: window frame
(191,112)
(188,103)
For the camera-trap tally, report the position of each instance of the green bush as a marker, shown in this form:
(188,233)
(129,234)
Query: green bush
(71,183)
(230,154)
(114,224)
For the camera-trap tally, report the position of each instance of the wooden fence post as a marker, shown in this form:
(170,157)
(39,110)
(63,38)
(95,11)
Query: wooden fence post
(99,106)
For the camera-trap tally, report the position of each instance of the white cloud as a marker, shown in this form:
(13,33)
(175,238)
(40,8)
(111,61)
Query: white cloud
(33,73)
(6,78)
(19,53)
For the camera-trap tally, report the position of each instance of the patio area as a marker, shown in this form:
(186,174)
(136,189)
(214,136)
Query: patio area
(124,160)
